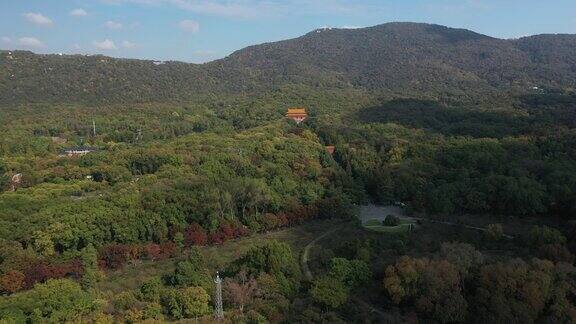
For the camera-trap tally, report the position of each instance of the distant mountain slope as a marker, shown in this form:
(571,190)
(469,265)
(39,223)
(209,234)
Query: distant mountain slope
(419,56)
(394,57)
(27,77)
(553,57)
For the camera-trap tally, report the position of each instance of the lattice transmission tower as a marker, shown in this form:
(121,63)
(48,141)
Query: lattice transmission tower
(218,309)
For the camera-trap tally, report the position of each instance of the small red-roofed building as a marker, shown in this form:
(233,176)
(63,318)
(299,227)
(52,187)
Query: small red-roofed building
(297,114)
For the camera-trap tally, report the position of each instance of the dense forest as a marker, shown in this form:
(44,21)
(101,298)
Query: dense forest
(404,59)
(473,136)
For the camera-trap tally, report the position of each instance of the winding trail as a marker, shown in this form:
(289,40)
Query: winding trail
(367,213)
(482,229)
(310,276)
(306,253)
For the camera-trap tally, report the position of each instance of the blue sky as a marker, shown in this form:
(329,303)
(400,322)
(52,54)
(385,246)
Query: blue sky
(203,30)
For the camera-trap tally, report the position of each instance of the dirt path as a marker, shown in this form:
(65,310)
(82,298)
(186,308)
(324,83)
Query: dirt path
(482,229)
(310,276)
(373,309)
(306,253)
(367,213)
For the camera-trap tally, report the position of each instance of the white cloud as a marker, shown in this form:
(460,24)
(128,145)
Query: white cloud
(7,40)
(249,9)
(351,27)
(78,12)
(241,9)
(229,8)
(190,26)
(38,19)
(113,25)
(127,44)
(105,45)
(30,42)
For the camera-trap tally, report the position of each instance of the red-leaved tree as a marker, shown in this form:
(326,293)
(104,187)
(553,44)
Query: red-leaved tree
(195,235)
(12,281)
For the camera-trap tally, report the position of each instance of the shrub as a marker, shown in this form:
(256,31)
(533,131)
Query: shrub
(133,316)
(495,232)
(541,235)
(153,311)
(124,301)
(391,221)
(556,253)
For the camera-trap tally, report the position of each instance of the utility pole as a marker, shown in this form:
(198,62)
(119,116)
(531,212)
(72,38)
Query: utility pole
(94,127)
(218,309)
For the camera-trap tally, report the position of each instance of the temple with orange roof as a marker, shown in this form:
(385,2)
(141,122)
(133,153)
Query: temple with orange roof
(297,114)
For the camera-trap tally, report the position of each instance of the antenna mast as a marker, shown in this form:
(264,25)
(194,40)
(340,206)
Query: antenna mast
(218,309)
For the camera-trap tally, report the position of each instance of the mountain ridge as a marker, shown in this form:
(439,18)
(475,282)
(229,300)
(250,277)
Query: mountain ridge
(425,59)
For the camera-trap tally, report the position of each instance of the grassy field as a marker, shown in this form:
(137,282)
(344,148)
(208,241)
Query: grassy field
(216,257)
(375,225)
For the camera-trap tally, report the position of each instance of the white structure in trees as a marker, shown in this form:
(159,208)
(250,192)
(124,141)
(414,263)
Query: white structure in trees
(218,309)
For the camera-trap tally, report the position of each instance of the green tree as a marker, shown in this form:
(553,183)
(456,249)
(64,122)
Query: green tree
(171,303)
(179,241)
(274,258)
(186,302)
(54,301)
(463,256)
(402,280)
(92,273)
(151,290)
(43,243)
(329,292)
(350,273)
(191,272)
(513,291)
(434,287)
(4,180)
(194,301)
(541,235)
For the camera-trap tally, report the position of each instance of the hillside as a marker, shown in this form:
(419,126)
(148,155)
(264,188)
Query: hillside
(418,59)
(469,140)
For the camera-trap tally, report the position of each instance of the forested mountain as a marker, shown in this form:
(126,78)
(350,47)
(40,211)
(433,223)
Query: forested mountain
(469,141)
(421,59)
